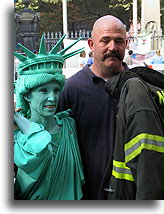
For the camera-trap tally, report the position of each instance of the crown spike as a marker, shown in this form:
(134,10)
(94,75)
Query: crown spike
(42,62)
(66,56)
(20,57)
(42,47)
(67,48)
(56,47)
(29,53)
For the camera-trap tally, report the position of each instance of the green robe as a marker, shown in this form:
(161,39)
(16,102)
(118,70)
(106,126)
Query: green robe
(49,167)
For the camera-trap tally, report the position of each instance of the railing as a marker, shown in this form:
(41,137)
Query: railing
(156,41)
(52,37)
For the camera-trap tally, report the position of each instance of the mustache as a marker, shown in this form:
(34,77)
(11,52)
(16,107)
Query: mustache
(113,54)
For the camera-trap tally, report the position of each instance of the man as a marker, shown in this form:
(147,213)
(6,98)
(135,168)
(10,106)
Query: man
(83,59)
(157,59)
(90,59)
(128,59)
(92,108)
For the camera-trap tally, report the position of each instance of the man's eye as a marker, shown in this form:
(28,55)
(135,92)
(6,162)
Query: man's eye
(105,41)
(119,41)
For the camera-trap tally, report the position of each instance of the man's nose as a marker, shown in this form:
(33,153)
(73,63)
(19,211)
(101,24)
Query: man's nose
(112,45)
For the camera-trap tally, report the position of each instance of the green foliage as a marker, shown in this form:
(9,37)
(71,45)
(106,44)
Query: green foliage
(51,1)
(34,5)
(54,1)
(121,4)
(81,13)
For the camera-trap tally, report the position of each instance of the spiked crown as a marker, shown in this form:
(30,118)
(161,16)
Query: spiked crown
(44,62)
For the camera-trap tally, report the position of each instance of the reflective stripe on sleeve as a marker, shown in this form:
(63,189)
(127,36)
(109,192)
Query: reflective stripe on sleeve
(143,141)
(121,171)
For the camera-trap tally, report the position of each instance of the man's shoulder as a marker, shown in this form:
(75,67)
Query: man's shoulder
(77,77)
(77,74)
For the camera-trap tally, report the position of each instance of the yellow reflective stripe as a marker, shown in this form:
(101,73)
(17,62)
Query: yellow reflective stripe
(122,176)
(141,136)
(143,141)
(161,96)
(121,171)
(120,164)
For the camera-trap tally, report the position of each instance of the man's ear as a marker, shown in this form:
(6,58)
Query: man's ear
(126,42)
(90,43)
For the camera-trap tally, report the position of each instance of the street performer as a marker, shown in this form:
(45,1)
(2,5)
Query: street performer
(46,152)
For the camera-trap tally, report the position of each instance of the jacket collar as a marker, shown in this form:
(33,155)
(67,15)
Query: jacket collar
(114,85)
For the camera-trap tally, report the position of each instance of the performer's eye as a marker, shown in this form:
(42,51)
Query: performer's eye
(43,90)
(56,90)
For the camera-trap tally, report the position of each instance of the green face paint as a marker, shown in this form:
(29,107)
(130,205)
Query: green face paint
(43,100)
(37,69)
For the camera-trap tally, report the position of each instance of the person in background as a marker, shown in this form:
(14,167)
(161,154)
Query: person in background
(90,59)
(93,109)
(83,59)
(47,160)
(157,59)
(128,59)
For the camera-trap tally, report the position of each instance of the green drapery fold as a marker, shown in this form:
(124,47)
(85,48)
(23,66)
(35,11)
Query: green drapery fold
(44,173)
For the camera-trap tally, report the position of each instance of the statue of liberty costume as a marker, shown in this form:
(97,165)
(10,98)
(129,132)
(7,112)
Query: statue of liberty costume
(48,164)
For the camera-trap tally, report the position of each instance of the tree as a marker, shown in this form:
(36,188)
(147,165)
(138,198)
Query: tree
(81,13)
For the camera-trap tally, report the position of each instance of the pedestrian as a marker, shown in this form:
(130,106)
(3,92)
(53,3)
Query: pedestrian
(139,143)
(157,59)
(46,154)
(90,59)
(128,59)
(83,59)
(93,109)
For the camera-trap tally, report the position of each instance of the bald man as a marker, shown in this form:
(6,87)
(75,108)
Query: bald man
(108,43)
(93,109)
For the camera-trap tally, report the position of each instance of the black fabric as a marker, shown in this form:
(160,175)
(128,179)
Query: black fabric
(153,79)
(15,169)
(139,112)
(148,75)
(114,87)
(94,111)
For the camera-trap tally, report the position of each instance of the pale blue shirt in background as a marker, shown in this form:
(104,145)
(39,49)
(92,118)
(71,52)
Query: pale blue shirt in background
(157,60)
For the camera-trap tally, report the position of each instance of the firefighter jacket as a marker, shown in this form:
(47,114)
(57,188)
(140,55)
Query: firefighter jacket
(139,143)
